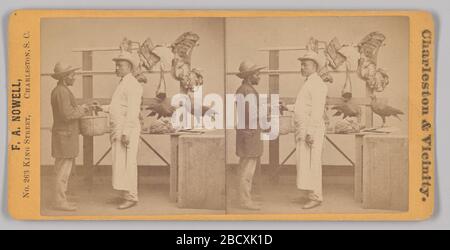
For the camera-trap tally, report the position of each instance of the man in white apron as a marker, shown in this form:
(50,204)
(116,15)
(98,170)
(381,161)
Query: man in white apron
(125,124)
(310,129)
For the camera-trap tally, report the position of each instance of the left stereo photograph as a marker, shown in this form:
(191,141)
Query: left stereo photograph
(113,138)
(108,143)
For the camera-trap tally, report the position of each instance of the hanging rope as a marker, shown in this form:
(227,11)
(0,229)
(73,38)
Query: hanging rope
(162,83)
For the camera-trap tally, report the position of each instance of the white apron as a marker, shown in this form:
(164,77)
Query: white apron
(124,120)
(309,110)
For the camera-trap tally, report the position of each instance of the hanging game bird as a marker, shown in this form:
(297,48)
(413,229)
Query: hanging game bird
(348,109)
(384,110)
(162,107)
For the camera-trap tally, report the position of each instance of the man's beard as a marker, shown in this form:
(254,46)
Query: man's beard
(70,83)
(305,74)
(255,82)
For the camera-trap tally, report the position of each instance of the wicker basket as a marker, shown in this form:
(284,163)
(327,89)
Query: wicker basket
(94,125)
(286,124)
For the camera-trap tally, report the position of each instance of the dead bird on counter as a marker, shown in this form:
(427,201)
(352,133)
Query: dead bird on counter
(347,108)
(384,110)
(162,107)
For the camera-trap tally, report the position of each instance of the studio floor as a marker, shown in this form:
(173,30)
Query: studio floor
(154,197)
(285,198)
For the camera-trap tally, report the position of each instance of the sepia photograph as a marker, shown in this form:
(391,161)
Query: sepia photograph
(224,125)
(224,116)
(108,142)
(342,111)
(268,115)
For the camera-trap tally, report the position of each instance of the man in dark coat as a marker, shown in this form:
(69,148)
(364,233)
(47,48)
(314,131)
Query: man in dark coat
(249,146)
(65,132)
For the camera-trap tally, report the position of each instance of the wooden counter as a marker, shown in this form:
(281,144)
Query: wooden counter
(385,172)
(197,172)
(381,171)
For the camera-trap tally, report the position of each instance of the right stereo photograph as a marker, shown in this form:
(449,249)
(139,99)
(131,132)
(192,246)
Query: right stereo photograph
(336,140)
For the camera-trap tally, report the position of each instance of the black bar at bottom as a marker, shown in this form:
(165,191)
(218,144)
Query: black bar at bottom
(224,239)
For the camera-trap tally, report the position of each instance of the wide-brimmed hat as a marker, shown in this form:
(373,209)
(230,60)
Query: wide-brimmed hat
(61,71)
(248,68)
(313,56)
(128,57)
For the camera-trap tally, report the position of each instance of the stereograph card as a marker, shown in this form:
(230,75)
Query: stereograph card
(221,115)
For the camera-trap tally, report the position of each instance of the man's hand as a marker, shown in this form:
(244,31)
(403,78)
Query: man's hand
(297,135)
(85,109)
(283,108)
(309,140)
(125,140)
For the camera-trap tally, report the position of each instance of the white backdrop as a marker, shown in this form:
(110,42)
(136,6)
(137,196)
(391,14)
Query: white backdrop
(246,35)
(59,37)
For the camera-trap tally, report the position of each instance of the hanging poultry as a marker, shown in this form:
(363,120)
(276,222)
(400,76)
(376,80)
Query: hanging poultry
(190,79)
(162,106)
(146,52)
(384,110)
(323,70)
(347,90)
(348,108)
(376,79)
(334,57)
(159,107)
(370,45)
(182,49)
(138,72)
